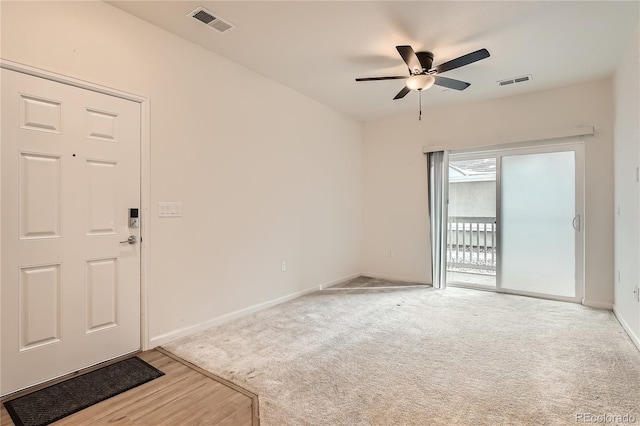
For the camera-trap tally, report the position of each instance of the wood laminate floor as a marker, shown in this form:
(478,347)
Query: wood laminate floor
(185,395)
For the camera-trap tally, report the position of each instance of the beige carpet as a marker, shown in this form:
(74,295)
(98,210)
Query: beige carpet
(369,282)
(419,356)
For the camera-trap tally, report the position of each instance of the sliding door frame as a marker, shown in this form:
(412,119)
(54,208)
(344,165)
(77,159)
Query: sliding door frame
(573,144)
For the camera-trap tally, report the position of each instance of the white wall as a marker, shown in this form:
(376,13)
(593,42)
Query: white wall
(472,199)
(394,173)
(627,193)
(264,173)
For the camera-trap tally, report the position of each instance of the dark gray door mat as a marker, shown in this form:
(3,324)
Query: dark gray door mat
(65,398)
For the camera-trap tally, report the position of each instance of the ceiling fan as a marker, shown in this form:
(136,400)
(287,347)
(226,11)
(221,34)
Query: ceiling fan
(421,74)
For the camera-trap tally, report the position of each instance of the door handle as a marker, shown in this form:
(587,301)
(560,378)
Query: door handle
(576,222)
(131,240)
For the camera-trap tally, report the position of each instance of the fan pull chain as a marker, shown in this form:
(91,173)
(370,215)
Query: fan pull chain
(420,96)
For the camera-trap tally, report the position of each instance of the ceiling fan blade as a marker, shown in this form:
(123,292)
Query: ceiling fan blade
(394,77)
(450,83)
(467,59)
(401,94)
(410,58)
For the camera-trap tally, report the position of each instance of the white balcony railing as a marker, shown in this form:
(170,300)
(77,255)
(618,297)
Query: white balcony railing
(471,244)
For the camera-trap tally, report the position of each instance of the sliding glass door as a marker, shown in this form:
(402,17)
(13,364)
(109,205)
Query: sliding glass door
(515,220)
(540,221)
(471,227)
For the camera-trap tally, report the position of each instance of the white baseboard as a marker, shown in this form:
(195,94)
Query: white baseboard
(167,337)
(635,339)
(599,305)
(395,278)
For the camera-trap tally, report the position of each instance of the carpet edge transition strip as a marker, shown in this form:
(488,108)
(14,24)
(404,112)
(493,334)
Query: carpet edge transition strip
(255,400)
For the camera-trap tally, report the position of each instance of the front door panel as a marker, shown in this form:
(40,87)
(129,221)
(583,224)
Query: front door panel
(70,172)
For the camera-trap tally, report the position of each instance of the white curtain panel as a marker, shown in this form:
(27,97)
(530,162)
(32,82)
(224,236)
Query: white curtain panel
(437,166)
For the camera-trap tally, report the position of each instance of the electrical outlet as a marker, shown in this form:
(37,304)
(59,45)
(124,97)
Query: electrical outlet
(283,266)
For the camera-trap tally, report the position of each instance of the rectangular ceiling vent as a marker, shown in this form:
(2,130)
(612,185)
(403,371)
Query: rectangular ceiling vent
(515,80)
(207,18)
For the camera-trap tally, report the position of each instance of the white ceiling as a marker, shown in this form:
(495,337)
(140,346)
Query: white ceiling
(318,47)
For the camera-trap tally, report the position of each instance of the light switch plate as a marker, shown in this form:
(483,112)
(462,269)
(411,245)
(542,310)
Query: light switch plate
(170,209)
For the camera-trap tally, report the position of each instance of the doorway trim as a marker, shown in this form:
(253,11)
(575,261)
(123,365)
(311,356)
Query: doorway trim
(144,169)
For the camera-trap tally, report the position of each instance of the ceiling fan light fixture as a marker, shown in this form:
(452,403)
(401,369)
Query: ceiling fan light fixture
(420,81)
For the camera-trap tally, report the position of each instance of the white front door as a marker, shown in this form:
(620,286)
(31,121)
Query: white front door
(70,173)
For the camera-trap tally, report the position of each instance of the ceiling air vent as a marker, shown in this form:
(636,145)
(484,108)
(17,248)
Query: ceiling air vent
(207,18)
(515,80)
